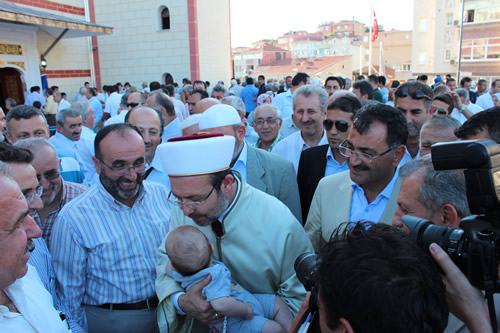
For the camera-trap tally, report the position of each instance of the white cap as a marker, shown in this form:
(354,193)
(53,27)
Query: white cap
(197,154)
(219,115)
(190,121)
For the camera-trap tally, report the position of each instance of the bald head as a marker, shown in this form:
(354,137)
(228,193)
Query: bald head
(149,123)
(204,104)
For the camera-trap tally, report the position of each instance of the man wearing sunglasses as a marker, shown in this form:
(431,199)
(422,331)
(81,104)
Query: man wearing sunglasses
(414,100)
(56,191)
(129,101)
(369,190)
(325,160)
(18,162)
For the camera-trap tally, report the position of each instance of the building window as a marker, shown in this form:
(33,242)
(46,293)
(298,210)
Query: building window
(168,79)
(449,19)
(447,55)
(483,10)
(165,19)
(422,59)
(423,25)
(481,49)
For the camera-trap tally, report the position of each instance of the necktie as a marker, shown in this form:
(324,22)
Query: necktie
(217,228)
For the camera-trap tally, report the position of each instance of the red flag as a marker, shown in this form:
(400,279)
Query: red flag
(375,27)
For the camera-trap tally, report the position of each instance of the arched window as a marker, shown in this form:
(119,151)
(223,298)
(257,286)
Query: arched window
(168,79)
(165,19)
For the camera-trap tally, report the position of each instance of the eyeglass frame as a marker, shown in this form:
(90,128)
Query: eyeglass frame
(360,155)
(126,168)
(48,177)
(190,204)
(269,121)
(133,105)
(334,123)
(30,196)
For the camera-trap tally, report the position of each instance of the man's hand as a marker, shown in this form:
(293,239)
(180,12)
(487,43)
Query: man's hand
(464,301)
(301,315)
(456,99)
(193,303)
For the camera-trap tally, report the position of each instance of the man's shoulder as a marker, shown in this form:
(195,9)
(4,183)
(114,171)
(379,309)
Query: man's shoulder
(268,157)
(315,151)
(337,178)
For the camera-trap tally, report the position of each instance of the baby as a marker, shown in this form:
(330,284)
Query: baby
(191,261)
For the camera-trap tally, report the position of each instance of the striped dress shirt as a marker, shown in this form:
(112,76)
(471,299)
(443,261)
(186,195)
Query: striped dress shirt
(69,192)
(104,251)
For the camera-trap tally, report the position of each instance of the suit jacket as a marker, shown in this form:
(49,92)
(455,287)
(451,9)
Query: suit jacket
(312,166)
(331,205)
(274,175)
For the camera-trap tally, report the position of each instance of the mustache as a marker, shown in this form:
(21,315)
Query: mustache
(30,246)
(360,167)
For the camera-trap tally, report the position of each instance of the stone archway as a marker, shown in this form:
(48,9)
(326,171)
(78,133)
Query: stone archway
(11,85)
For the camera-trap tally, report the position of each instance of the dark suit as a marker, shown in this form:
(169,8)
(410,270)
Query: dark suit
(312,167)
(274,175)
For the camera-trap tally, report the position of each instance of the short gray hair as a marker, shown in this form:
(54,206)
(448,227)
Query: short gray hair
(83,90)
(441,122)
(308,90)
(65,113)
(83,106)
(277,111)
(35,144)
(462,92)
(236,102)
(219,88)
(438,187)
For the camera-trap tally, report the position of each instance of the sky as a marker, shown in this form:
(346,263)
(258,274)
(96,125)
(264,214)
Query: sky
(267,19)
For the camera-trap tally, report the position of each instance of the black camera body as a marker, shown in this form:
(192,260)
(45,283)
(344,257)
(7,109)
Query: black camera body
(475,248)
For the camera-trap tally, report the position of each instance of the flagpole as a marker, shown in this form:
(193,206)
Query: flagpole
(370,44)
(361,58)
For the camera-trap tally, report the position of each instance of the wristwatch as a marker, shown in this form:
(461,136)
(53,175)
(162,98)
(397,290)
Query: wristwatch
(463,108)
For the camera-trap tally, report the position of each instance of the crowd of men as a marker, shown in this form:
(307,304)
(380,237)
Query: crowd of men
(267,170)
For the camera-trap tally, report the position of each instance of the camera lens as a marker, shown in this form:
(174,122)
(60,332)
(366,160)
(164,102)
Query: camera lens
(426,232)
(305,268)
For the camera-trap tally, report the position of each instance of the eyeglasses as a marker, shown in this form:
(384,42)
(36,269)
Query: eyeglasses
(30,196)
(415,94)
(270,121)
(49,175)
(132,105)
(340,125)
(125,168)
(347,152)
(190,204)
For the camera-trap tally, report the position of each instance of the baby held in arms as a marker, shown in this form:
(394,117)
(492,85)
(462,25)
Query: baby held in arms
(191,261)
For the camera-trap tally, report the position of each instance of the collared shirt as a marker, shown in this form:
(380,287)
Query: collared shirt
(69,148)
(105,251)
(69,192)
(172,130)
(113,104)
(485,101)
(247,95)
(117,119)
(332,165)
(41,259)
(87,151)
(63,104)
(158,174)
(258,144)
(33,97)
(361,210)
(71,170)
(288,127)
(97,107)
(36,311)
(284,102)
(292,146)
(241,162)
(51,107)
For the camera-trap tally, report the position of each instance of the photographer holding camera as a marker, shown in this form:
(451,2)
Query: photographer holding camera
(374,278)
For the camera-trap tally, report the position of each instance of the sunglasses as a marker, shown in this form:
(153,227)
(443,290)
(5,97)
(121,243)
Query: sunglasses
(414,95)
(340,125)
(132,105)
(442,112)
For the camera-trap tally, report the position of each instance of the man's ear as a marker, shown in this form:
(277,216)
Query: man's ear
(447,215)
(97,164)
(344,326)
(226,184)
(59,128)
(398,155)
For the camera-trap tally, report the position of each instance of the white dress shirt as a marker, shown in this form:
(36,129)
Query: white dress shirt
(284,102)
(292,146)
(172,130)
(63,104)
(87,151)
(113,104)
